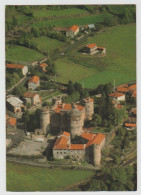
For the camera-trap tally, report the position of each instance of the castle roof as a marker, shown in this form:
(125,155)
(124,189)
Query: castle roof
(77,147)
(96,140)
(88,99)
(130,125)
(88,136)
(62,141)
(66,107)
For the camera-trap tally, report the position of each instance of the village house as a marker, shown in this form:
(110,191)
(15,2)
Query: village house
(24,69)
(43,67)
(32,98)
(101,50)
(33,82)
(15,104)
(90,151)
(118,96)
(72,31)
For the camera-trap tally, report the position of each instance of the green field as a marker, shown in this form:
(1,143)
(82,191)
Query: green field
(47,44)
(30,178)
(58,13)
(118,64)
(65,22)
(19,53)
(68,70)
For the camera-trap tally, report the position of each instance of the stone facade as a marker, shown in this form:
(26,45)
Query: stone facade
(45,120)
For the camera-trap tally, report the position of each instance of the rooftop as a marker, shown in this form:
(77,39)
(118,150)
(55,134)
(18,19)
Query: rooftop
(73,28)
(30,95)
(96,140)
(130,125)
(14,66)
(116,94)
(91,45)
(43,65)
(14,101)
(10,120)
(66,107)
(34,79)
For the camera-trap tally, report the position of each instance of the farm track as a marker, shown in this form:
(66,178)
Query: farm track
(45,165)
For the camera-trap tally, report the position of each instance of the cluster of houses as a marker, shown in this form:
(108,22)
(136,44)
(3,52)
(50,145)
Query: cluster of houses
(120,95)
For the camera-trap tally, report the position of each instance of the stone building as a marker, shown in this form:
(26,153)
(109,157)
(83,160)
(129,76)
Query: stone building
(91,48)
(33,82)
(32,98)
(117,96)
(72,31)
(15,104)
(90,150)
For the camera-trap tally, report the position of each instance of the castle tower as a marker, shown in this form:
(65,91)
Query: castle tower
(76,123)
(45,120)
(97,155)
(89,108)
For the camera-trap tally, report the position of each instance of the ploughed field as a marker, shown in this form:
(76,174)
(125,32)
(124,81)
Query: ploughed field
(31,178)
(118,64)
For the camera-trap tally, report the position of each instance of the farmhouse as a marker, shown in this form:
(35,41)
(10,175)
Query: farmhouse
(15,104)
(72,31)
(32,98)
(93,49)
(33,82)
(24,69)
(117,96)
(91,151)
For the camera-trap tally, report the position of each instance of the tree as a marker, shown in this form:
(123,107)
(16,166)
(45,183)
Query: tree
(35,31)
(98,185)
(26,118)
(127,16)
(70,87)
(96,120)
(108,20)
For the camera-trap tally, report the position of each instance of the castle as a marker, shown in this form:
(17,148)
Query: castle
(67,121)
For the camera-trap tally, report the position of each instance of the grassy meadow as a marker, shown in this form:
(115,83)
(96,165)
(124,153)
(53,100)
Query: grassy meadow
(19,53)
(31,178)
(47,44)
(118,64)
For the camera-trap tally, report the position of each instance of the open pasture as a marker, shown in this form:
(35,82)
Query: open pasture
(19,53)
(31,178)
(118,64)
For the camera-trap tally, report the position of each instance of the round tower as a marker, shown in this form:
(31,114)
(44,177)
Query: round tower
(89,108)
(76,123)
(45,120)
(97,155)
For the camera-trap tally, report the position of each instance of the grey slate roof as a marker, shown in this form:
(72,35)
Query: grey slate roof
(14,101)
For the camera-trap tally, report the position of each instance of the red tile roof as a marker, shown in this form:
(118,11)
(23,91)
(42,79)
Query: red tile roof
(65,106)
(130,125)
(43,65)
(100,47)
(34,79)
(88,136)
(30,95)
(14,66)
(61,143)
(116,94)
(122,89)
(91,45)
(77,147)
(74,28)
(134,94)
(88,99)
(10,120)
(132,87)
(96,140)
